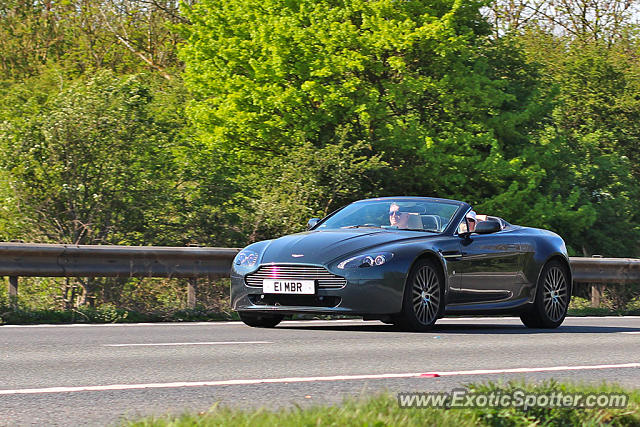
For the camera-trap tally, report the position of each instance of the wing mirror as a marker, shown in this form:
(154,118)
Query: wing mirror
(487,227)
(312,223)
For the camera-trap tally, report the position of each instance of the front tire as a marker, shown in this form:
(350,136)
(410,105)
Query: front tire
(423,301)
(259,320)
(553,294)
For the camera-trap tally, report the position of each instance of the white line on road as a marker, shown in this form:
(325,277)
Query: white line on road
(632,333)
(187,343)
(294,322)
(312,379)
(116,325)
(165,324)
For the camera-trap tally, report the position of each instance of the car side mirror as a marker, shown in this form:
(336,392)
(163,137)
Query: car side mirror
(487,227)
(312,223)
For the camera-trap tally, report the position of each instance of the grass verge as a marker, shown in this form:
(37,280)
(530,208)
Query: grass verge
(383,410)
(582,307)
(108,314)
(601,311)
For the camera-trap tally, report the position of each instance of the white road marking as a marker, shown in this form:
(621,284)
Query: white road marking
(525,370)
(312,379)
(187,343)
(294,322)
(467,319)
(632,333)
(117,325)
(234,322)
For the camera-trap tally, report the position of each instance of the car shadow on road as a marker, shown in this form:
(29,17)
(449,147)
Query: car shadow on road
(468,329)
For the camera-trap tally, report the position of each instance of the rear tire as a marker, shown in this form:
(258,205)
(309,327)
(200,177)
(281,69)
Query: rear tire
(423,301)
(259,320)
(553,294)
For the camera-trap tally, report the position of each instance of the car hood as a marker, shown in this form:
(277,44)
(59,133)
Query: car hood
(321,247)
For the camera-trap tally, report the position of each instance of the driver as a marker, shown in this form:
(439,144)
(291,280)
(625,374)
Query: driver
(398,218)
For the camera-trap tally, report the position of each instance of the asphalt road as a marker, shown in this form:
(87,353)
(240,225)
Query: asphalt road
(102,374)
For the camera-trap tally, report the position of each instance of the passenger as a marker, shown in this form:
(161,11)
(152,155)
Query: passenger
(472,220)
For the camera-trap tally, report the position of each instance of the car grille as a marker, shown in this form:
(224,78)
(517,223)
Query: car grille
(295,300)
(324,279)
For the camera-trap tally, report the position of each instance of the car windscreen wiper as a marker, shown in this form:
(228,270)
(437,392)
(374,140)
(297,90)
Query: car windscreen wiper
(419,229)
(362,226)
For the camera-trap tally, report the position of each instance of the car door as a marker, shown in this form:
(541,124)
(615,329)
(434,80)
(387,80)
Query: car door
(488,268)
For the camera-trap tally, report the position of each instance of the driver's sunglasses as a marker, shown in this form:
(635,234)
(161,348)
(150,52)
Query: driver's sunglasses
(396,213)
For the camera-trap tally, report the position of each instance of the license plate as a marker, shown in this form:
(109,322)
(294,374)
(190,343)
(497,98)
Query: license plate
(288,286)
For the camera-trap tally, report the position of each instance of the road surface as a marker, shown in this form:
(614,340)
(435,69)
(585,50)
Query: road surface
(103,374)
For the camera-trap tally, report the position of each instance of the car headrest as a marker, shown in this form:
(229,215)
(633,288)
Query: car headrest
(430,222)
(414,221)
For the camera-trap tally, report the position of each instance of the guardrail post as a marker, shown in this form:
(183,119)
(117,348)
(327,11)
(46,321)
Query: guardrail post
(192,288)
(13,290)
(596,295)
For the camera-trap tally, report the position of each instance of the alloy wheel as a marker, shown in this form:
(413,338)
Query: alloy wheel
(555,294)
(426,295)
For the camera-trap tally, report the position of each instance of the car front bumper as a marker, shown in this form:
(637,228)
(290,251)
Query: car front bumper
(370,291)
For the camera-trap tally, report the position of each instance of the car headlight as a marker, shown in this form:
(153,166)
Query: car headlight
(246,258)
(366,260)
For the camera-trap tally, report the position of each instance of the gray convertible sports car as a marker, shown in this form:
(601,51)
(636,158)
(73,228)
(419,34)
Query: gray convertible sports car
(406,261)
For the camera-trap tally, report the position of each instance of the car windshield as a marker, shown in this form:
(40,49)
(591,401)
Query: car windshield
(417,215)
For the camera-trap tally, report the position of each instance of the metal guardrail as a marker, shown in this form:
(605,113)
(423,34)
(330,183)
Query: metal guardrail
(600,271)
(605,270)
(45,260)
(42,260)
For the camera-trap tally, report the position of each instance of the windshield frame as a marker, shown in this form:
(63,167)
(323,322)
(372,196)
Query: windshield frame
(462,207)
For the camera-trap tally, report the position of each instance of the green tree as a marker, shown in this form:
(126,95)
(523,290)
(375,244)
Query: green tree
(126,36)
(271,75)
(596,114)
(586,151)
(311,182)
(90,162)
(417,83)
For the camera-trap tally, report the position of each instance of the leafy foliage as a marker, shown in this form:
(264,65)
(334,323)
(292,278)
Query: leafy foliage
(89,162)
(310,182)
(125,36)
(291,109)
(405,80)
